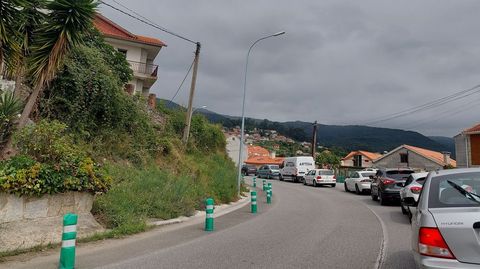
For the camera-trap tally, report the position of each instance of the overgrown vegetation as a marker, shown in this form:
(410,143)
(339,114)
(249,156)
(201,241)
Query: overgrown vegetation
(10,107)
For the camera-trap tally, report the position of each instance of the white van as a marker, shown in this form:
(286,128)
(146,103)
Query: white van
(296,167)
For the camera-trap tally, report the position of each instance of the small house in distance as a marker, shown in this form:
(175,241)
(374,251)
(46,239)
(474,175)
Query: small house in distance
(360,159)
(406,156)
(467,147)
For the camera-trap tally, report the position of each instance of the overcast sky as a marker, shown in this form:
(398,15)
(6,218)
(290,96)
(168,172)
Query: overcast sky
(341,62)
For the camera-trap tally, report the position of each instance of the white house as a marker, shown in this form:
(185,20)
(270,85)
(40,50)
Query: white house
(360,159)
(140,52)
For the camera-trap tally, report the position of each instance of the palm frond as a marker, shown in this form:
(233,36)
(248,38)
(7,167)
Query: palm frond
(67,20)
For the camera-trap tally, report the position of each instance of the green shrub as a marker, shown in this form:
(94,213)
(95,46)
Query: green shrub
(10,107)
(22,175)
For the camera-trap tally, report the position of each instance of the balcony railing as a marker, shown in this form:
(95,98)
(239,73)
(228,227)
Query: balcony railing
(144,69)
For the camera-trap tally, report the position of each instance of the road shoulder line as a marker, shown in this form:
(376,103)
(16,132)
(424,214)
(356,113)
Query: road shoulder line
(383,246)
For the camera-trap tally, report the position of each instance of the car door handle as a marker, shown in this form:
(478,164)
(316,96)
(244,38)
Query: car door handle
(476,225)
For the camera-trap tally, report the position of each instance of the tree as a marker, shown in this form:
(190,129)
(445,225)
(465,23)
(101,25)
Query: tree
(56,34)
(328,158)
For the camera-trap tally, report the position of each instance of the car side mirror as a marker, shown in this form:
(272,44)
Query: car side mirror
(410,201)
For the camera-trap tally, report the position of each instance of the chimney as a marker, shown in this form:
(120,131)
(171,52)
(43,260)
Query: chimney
(446,158)
(273,154)
(152,100)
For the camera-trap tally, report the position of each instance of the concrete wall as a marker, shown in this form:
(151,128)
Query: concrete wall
(415,161)
(461,151)
(366,163)
(30,221)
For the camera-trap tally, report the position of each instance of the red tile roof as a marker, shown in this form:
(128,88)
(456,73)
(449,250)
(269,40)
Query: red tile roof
(370,155)
(473,129)
(257,151)
(260,160)
(430,154)
(111,29)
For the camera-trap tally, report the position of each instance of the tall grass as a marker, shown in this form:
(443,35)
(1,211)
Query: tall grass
(156,192)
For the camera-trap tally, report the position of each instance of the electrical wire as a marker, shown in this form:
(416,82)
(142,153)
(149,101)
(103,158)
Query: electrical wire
(435,103)
(183,81)
(146,21)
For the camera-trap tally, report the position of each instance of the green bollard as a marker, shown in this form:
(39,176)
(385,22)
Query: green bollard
(253,195)
(67,253)
(254,179)
(264,185)
(209,214)
(269,196)
(269,187)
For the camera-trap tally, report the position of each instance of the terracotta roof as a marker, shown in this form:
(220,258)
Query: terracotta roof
(110,29)
(473,129)
(430,154)
(259,160)
(257,151)
(370,155)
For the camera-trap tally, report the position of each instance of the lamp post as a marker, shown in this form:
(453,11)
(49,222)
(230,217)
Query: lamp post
(243,108)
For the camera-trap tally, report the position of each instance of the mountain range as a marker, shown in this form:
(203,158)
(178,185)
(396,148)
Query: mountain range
(347,137)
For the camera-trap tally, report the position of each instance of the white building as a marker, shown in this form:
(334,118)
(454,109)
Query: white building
(140,52)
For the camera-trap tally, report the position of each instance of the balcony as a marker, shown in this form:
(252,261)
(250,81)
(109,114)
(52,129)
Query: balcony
(144,70)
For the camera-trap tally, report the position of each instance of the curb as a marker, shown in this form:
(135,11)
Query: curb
(220,210)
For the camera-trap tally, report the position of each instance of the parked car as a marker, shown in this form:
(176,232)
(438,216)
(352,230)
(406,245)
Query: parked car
(413,187)
(319,177)
(268,171)
(248,169)
(296,167)
(359,182)
(387,182)
(446,223)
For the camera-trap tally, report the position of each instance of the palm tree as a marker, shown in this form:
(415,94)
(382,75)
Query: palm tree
(9,13)
(43,49)
(67,20)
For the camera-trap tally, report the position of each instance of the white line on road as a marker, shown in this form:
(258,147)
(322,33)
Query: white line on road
(383,246)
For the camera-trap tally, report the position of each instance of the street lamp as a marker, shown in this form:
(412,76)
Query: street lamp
(239,177)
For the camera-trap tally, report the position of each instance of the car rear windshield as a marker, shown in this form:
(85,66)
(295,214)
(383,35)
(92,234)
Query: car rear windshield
(325,172)
(306,164)
(399,174)
(274,167)
(457,190)
(367,174)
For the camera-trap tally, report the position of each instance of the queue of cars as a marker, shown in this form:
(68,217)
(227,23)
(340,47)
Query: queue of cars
(443,207)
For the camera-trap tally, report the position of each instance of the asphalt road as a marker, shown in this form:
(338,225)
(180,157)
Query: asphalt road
(304,227)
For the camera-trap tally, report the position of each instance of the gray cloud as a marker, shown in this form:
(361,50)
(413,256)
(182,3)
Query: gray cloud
(341,62)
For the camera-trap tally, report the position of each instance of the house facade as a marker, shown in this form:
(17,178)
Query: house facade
(140,52)
(260,156)
(360,159)
(467,147)
(420,159)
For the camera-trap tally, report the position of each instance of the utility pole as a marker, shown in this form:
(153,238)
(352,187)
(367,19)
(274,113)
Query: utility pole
(186,132)
(314,139)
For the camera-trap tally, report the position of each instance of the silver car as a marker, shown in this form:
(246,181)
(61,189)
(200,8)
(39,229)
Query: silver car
(446,223)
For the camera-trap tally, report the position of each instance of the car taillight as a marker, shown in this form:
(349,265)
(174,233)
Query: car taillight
(431,243)
(334,177)
(387,181)
(416,189)
(319,177)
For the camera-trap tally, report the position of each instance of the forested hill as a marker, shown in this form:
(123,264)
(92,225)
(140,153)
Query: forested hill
(349,137)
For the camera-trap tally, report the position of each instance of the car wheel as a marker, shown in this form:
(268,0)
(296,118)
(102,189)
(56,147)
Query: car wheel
(280,177)
(305,182)
(382,199)
(269,176)
(314,183)
(345,186)
(333,185)
(357,191)
(404,211)
(294,179)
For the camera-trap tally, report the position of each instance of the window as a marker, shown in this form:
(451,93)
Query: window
(123,51)
(444,194)
(403,157)
(357,160)
(306,164)
(326,172)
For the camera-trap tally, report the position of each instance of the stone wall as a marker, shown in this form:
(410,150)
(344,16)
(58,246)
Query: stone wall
(30,221)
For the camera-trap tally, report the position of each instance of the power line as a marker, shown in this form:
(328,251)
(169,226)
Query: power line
(147,21)
(183,81)
(435,103)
